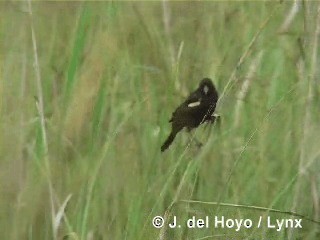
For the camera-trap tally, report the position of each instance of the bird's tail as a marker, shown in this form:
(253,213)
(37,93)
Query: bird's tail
(168,142)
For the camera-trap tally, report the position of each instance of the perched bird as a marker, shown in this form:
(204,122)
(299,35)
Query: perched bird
(195,110)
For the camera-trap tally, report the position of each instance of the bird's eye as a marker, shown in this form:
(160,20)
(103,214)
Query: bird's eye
(205,89)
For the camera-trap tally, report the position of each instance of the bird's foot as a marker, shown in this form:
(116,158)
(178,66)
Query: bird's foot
(198,143)
(215,118)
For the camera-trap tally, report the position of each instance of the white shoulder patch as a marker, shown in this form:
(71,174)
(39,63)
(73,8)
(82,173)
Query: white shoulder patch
(194,104)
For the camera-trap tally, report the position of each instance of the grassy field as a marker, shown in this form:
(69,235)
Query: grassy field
(87,89)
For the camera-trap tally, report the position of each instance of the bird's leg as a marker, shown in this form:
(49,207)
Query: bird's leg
(193,138)
(198,143)
(215,118)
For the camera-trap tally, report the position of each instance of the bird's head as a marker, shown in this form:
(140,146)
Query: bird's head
(206,87)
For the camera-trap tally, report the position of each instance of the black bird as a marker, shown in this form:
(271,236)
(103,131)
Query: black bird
(195,110)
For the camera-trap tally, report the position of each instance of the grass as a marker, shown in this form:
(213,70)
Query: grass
(86,93)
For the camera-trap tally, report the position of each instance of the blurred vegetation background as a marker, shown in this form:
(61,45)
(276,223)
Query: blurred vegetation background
(87,89)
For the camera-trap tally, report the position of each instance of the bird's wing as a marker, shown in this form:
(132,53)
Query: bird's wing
(194,100)
(191,103)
